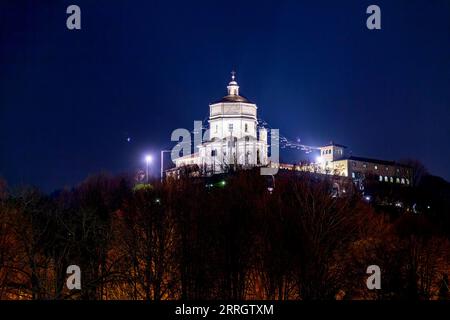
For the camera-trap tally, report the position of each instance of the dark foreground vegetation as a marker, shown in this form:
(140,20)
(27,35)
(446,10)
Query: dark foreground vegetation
(231,240)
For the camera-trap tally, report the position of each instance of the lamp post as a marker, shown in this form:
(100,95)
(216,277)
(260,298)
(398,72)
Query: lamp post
(148,160)
(162,162)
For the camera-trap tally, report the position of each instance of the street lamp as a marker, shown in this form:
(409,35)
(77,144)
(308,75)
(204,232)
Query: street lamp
(162,162)
(148,160)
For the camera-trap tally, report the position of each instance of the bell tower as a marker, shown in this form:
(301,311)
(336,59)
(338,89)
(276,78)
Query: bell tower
(332,152)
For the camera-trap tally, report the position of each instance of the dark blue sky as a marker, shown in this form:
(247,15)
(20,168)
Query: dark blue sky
(69,99)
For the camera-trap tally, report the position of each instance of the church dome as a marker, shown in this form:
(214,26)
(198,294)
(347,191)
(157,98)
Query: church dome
(233,98)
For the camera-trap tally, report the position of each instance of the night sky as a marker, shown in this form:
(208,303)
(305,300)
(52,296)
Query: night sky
(140,69)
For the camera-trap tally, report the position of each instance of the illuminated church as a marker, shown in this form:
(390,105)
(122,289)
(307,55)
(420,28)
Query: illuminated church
(233,139)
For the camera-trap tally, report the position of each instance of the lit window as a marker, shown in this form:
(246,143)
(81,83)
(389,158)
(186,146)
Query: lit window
(381,178)
(365,165)
(407,181)
(392,179)
(353,175)
(397,180)
(386,178)
(376,167)
(403,180)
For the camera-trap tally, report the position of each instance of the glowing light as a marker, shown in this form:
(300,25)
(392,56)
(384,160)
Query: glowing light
(319,159)
(148,158)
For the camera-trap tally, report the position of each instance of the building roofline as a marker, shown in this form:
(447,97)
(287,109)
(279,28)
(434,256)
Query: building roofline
(371,160)
(188,156)
(334,144)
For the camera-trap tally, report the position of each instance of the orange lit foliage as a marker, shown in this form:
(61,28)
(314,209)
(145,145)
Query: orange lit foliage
(182,240)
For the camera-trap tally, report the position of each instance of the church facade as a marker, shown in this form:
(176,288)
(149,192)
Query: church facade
(233,140)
